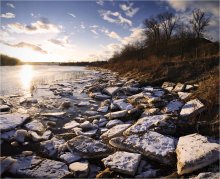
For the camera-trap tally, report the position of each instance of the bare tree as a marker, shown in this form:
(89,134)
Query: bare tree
(199,22)
(152,29)
(168,22)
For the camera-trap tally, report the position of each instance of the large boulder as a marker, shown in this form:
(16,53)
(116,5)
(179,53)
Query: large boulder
(194,152)
(152,145)
(123,162)
(87,147)
(11,121)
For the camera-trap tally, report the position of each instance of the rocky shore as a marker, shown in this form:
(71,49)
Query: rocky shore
(104,126)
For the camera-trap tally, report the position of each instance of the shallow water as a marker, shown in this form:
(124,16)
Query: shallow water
(20,79)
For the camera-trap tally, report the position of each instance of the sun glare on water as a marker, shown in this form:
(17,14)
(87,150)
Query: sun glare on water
(26,76)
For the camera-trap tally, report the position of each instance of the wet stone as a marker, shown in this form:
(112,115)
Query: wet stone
(10,121)
(87,147)
(123,162)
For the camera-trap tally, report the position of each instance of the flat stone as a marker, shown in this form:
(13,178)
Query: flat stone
(115,131)
(153,145)
(20,135)
(5,164)
(87,147)
(52,147)
(111,90)
(189,87)
(192,107)
(122,105)
(80,169)
(89,133)
(4,108)
(36,167)
(184,95)
(35,125)
(145,123)
(71,125)
(168,84)
(91,113)
(53,114)
(86,125)
(113,123)
(195,151)
(11,121)
(173,106)
(179,87)
(27,153)
(123,162)
(84,103)
(207,175)
(103,109)
(150,111)
(68,157)
(117,114)
(36,138)
(99,96)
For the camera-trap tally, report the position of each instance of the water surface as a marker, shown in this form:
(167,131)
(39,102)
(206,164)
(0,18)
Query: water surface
(20,79)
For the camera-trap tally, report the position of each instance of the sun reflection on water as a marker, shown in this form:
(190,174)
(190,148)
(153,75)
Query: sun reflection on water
(26,76)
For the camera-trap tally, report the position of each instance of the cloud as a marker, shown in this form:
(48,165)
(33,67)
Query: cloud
(128,9)
(137,34)
(94,32)
(114,35)
(100,2)
(115,17)
(82,26)
(64,42)
(41,26)
(10,5)
(8,15)
(71,14)
(27,45)
(208,6)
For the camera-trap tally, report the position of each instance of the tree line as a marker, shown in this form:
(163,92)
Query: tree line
(167,36)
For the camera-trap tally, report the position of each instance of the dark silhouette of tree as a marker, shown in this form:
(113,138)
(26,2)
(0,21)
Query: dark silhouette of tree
(199,22)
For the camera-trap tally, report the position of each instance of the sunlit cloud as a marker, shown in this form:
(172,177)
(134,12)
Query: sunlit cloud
(64,42)
(115,17)
(128,9)
(72,15)
(10,5)
(8,15)
(41,26)
(137,34)
(27,45)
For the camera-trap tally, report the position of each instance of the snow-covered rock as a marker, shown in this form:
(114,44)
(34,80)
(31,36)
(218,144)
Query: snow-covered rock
(115,131)
(144,124)
(153,145)
(111,90)
(123,162)
(35,125)
(10,121)
(192,107)
(87,147)
(80,169)
(71,125)
(195,151)
(113,123)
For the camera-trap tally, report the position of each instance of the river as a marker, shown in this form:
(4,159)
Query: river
(19,79)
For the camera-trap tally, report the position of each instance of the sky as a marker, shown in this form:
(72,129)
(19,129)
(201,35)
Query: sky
(58,31)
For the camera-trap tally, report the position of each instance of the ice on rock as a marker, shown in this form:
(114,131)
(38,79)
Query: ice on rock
(173,106)
(115,131)
(195,151)
(123,162)
(153,145)
(11,121)
(144,124)
(71,125)
(192,107)
(87,147)
(35,125)
(117,114)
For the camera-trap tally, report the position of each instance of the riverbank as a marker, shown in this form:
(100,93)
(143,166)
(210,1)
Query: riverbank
(104,125)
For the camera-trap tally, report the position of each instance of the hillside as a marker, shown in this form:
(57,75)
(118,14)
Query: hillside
(6,60)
